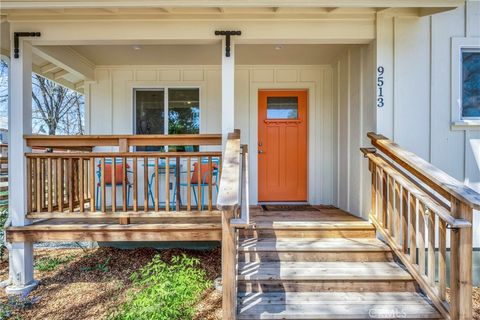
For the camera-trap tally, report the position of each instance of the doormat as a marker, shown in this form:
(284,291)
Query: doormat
(288,207)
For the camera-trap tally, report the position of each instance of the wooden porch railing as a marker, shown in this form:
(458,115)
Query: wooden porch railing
(417,208)
(84,183)
(233,202)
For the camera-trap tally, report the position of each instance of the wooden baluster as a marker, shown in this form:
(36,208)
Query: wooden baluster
(167,184)
(373,190)
(189,191)
(81,192)
(38,187)
(114,184)
(442,259)
(92,185)
(397,213)
(431,247)
(49,185)
(384,200)
(103,185)
(413,229)
(135,184)
(156,186)
(421,237)
(210,178)
(404,220)
(123,147)
(177,184)
(390,209)
(199,183)
(145,184)
(60,183)
(71,186)
(461,264)
(29,186)
(124,184)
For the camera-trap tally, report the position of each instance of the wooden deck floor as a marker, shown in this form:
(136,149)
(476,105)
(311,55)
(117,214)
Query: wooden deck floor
(171,226)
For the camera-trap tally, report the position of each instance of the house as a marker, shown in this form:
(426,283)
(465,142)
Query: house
(168,82)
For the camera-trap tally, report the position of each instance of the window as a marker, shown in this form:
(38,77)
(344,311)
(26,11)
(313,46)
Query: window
(167,111)
(282,107)
(471,83)
(465,83)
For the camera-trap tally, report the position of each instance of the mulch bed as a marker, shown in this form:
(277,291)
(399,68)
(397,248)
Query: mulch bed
(95,282)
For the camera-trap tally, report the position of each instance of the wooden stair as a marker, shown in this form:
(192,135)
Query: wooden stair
(322,269)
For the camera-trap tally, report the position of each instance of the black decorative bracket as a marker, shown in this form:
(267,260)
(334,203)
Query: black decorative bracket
(16,41)
(227,35)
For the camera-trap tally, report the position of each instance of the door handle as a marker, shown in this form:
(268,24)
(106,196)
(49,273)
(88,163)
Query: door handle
(260,151)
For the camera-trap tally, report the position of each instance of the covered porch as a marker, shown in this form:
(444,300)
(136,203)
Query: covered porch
(134,177)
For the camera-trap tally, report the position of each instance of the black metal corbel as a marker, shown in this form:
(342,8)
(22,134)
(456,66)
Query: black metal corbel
(16,41)
(227,35)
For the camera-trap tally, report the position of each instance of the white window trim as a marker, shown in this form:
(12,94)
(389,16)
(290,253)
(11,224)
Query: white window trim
(457,45)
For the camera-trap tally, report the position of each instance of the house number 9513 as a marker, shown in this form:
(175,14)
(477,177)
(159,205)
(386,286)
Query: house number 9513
(380,82)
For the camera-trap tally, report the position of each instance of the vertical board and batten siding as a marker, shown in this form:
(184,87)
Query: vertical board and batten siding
(110,108)
(416,55)
(353,101)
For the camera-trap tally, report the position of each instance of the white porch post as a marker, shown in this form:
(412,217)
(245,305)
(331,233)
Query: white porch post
(20,123)
(228,90)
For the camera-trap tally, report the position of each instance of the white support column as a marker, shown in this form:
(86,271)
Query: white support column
(228,90)
(20,124)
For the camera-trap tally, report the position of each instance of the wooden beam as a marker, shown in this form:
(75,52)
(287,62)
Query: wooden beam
(60,74)
(80,85)
(50,75)
(32,4)
(68,59)
(111,10)
(49,67)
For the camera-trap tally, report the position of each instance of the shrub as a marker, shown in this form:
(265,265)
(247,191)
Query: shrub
(3,219)
(164,291)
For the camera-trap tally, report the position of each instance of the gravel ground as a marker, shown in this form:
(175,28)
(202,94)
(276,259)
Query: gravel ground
(81,289)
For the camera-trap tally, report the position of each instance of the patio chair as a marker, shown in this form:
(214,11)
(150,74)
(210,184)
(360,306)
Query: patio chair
(108,178)
(205,179)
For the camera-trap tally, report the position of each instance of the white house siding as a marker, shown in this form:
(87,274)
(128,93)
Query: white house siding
(356,116)
(416,54)
(110,108)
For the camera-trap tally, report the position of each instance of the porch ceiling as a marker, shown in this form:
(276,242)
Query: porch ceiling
(302,54)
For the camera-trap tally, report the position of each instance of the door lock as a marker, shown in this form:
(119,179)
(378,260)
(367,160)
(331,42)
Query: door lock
(260,144)
(260,151)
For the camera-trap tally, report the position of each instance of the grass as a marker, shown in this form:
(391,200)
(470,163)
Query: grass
(46,264)
(164,291)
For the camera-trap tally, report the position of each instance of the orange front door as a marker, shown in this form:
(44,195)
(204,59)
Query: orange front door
(282,146)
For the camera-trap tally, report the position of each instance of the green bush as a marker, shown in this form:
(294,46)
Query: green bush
(3,219)
(164,291)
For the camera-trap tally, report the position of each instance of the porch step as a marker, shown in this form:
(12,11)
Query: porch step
(318,271)
(335,305)
(311,249)
(323,276)
(310,229)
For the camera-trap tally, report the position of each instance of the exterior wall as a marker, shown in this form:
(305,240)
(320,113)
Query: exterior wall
(356,116)
(416,55)
(110,108)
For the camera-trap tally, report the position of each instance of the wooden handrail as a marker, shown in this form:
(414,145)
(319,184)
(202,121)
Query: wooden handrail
(123,141)
(87,155)
(408,194)
(441,211)
(435,178)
